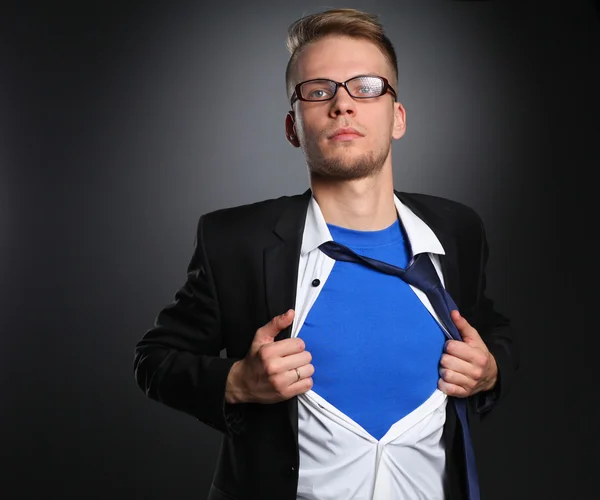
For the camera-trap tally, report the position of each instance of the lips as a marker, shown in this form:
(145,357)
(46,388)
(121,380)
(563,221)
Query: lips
(345,133)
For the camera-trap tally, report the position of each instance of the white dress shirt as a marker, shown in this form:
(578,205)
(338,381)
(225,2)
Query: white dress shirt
(339,459)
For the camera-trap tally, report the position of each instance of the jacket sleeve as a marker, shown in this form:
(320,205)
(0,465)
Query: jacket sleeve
(177,362)
(497,333)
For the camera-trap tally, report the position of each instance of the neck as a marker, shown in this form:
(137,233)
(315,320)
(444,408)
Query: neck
(362,205)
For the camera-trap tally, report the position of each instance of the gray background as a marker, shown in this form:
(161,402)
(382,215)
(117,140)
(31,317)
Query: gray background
(122,122)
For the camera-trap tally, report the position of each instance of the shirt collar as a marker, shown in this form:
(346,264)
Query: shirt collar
(421,237)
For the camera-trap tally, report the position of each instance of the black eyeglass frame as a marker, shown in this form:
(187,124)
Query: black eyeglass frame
(386,87)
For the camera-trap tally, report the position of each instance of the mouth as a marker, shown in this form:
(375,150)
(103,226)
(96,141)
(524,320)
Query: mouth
(345,134)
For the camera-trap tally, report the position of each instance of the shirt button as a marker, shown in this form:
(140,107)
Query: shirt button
(316,282)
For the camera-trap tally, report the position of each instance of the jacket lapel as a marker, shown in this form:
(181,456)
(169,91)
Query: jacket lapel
(449,266)
(281,274)
(281,259)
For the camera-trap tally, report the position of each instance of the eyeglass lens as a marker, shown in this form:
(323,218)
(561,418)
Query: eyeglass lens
(362,86)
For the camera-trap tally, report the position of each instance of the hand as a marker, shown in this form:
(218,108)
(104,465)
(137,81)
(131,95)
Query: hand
(268,372)
(466,367)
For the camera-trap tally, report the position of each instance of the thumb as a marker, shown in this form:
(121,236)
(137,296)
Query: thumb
(467,332)
(278,323)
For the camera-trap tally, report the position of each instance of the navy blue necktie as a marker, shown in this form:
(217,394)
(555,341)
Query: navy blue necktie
(421,274)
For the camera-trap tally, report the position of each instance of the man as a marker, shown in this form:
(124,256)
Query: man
(328,378)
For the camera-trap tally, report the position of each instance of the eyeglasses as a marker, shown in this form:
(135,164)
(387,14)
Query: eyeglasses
(359,87)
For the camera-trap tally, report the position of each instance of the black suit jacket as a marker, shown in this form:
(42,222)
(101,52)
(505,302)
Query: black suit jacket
(243,272)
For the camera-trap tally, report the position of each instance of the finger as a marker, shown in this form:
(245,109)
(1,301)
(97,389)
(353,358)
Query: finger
(459,365)
(293,382)
(467,332)
(281,349)
(278,323)
(280,364)
(451,389)
(303,385)
(458,379)
(464,351)
(301,372)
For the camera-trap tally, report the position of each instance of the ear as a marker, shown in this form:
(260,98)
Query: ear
(399,127)
(290,129)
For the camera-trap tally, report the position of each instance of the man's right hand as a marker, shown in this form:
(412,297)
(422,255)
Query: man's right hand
(269,372)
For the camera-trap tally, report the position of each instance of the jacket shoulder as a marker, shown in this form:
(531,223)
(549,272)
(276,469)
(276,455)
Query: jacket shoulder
(252,222)
(256,211)
(442,212)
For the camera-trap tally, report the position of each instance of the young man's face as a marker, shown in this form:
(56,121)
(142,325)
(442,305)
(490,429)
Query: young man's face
(313,125)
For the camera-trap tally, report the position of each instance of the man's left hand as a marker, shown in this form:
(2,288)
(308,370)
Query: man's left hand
(466,367)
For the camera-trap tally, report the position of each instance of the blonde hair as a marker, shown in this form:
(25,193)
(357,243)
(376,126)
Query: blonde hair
(344,22)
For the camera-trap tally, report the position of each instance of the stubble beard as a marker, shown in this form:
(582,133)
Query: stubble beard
(339,168)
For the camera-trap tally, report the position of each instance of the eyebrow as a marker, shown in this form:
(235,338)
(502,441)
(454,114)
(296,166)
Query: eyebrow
(333,80)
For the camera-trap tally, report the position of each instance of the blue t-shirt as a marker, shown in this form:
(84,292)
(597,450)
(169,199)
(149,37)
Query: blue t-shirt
(375,346)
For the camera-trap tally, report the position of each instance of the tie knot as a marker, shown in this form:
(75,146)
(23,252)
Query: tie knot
(422,274)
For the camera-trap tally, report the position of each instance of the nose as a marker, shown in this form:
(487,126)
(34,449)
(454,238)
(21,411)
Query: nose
(342,103)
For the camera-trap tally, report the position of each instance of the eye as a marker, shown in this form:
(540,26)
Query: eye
(365,90)
(366,86)
(317,90)
(317,94)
